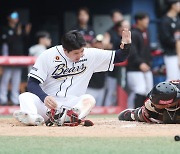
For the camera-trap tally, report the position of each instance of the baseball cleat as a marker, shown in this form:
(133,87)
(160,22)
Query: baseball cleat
(126,115)
(28,119)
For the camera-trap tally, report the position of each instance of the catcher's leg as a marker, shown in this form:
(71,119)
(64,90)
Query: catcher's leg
(32,110)
(127,115)
(85,105)
(138,114)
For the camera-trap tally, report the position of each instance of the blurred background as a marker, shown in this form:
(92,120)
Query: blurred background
(28,27)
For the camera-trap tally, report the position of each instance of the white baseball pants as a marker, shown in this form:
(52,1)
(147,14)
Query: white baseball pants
(30,103)
(111,96)
(138,83)
(13,74)
(172,68)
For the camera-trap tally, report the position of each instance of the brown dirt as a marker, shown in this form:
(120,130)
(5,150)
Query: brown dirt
(104,127)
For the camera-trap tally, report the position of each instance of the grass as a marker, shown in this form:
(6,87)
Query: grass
(5,116)
(75,145)
(87,145)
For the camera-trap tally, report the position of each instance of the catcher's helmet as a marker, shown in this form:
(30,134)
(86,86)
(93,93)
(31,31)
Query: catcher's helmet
(164,93)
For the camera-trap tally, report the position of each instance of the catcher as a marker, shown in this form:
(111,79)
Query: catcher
(162,105)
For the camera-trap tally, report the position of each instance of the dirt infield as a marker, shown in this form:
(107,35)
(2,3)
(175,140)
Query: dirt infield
(104,127)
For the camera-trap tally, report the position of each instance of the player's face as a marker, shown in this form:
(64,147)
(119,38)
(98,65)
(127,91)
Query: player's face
(14,21)
(166,106)
(83,17)
(125,25)
(46,41)
(145,22)
(117,17)
(176,7)
(75,55)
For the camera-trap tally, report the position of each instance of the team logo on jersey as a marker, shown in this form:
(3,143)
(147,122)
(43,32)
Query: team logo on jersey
(57,57)
(62,71)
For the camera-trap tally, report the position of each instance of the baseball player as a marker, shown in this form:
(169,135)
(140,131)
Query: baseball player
(59,79)
(161,106)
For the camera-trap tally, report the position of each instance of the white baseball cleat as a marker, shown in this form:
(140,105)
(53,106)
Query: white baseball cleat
(28,119)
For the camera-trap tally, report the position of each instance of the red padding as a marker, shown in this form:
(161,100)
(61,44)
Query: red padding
(122,64)
(17,60)
(122,98)
(8,110)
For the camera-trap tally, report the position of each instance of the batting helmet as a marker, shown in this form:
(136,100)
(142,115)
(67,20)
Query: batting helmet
(164,93)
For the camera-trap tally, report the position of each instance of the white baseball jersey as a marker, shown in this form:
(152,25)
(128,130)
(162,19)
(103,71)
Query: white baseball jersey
(61,77)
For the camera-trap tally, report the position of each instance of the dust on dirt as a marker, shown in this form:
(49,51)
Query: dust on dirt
(104,127)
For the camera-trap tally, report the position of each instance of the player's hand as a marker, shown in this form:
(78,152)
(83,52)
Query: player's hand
(144,67)
(126,37)
(19,29)
(50,102)
(28,28)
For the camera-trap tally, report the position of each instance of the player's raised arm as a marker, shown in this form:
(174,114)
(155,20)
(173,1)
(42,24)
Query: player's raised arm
(126,38)
(125,47)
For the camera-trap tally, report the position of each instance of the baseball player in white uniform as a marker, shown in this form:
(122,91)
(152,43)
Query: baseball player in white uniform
(59,79)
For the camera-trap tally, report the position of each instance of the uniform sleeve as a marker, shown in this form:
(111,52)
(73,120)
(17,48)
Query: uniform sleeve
(103,60)
(135,57)
(40,69)
(165,34)
(3,35)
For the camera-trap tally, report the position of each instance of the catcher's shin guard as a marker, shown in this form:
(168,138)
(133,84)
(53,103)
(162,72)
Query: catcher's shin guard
(141,114)
(138,114)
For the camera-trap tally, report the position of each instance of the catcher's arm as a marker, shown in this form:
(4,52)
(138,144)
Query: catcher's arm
(148,113)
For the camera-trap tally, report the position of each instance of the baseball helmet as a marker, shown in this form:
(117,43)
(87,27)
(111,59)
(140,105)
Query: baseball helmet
(164,93)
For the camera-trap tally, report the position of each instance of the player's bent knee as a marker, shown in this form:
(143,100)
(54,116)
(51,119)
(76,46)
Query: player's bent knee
(88,100)
(85,105)
(23,97)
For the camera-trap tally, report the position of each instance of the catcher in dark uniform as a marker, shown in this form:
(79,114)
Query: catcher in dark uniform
(162,105)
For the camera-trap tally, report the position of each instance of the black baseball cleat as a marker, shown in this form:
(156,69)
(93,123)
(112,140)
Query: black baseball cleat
(126,115)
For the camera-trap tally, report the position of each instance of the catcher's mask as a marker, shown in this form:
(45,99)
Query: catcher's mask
(164,93)
(62,117)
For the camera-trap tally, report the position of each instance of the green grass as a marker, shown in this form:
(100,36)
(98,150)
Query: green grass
(84,145)
(87,145)
(5,116)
